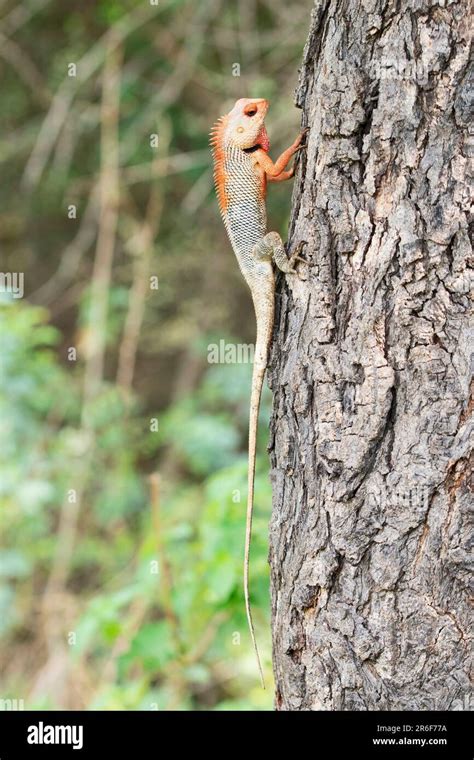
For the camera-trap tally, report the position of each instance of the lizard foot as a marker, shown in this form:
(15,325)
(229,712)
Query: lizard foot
(295,256)
(297,143)
(301,137)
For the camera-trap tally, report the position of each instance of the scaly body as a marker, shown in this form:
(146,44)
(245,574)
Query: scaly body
(242,167)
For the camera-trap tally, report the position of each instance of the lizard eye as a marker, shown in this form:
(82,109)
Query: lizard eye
(250,110)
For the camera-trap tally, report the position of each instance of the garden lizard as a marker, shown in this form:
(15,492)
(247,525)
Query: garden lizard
(242,167)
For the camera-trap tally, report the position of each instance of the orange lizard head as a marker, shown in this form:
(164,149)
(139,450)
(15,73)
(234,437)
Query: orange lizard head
(244,125)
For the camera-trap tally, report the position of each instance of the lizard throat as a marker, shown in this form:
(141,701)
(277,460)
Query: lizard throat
(262,143)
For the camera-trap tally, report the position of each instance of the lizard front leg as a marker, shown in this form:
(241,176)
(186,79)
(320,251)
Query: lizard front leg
(271,248)
(274,169)
(282,176)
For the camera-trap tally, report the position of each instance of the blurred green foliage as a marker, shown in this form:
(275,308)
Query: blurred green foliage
(123,496)
(113,566)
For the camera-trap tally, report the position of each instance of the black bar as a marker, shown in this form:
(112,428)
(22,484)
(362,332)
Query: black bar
(328,735)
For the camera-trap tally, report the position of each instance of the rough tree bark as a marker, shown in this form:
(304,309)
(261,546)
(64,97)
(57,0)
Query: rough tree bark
(370,369)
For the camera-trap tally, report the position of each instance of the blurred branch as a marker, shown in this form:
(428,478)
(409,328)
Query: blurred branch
(142,244)
(53,592)
(135,617)
(166,578)
(20,15)
(198,193)
(12,53)
(86,67)
(68,138)
(207,637)
(109,203)
(73,252)
(165,167)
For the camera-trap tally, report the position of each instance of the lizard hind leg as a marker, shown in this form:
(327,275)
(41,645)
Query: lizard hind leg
(271,248)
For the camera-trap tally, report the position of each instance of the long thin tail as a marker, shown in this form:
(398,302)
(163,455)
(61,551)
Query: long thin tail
(257,384)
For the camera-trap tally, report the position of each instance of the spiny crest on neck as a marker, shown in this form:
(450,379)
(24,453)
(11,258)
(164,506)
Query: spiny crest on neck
(216,135)
(216,140)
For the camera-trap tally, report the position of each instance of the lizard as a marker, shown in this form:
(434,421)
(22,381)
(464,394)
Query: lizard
(242,167)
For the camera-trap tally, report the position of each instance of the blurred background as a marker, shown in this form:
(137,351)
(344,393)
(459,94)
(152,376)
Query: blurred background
(123,471)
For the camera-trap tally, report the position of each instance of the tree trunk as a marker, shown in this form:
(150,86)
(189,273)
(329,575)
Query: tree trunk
(370,369)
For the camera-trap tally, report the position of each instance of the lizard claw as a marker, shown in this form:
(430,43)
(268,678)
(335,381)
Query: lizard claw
(299,140)
(297,143)
(295,256)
